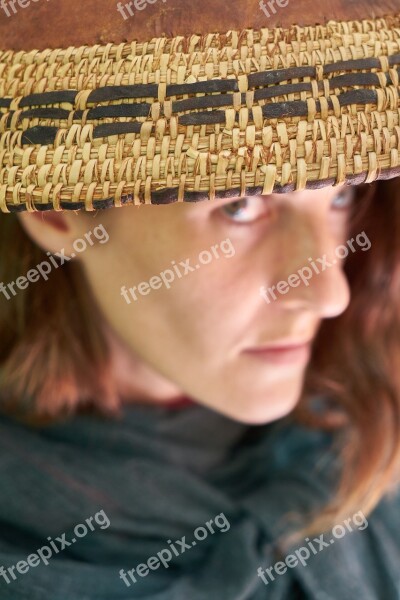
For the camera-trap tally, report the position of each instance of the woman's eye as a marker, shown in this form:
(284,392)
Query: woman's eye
(245,210)
(344,199)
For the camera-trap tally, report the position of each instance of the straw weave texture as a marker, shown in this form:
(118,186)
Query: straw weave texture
(190,118)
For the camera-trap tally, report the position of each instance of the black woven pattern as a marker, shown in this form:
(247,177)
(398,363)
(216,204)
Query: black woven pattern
(195,110)
(39,119)
(143,109)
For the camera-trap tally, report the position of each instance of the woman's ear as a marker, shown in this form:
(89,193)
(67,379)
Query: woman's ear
(51,230)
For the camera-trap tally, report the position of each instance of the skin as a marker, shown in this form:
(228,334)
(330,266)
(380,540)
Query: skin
(193,338)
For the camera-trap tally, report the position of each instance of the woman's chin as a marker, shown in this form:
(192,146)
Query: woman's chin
(253,407)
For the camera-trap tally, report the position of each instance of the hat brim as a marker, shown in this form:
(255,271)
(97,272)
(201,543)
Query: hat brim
(200,117)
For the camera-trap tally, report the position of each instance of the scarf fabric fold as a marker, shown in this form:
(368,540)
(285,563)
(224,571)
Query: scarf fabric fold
(156,476)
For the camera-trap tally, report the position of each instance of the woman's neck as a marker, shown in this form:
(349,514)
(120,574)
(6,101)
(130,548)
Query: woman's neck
(136,380)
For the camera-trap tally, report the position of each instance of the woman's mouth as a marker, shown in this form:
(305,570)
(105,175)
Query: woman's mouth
(295,353)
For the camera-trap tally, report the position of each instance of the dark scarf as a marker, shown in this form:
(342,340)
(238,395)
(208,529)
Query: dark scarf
(158,474)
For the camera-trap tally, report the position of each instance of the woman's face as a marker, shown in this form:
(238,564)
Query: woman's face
(187,288)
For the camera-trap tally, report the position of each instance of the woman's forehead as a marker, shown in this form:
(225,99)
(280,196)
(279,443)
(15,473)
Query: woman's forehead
(73,22)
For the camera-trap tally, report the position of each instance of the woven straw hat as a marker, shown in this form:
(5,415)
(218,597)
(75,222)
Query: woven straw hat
(200,115)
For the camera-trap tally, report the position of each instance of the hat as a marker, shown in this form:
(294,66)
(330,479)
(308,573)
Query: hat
(201,116)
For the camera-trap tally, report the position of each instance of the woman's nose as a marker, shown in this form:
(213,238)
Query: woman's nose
(310,276)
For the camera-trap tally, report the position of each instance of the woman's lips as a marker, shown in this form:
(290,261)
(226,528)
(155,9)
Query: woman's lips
(282,355)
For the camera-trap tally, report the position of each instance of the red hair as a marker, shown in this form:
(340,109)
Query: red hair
(54,358)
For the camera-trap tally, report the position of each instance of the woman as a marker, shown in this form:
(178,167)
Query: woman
(200,398)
